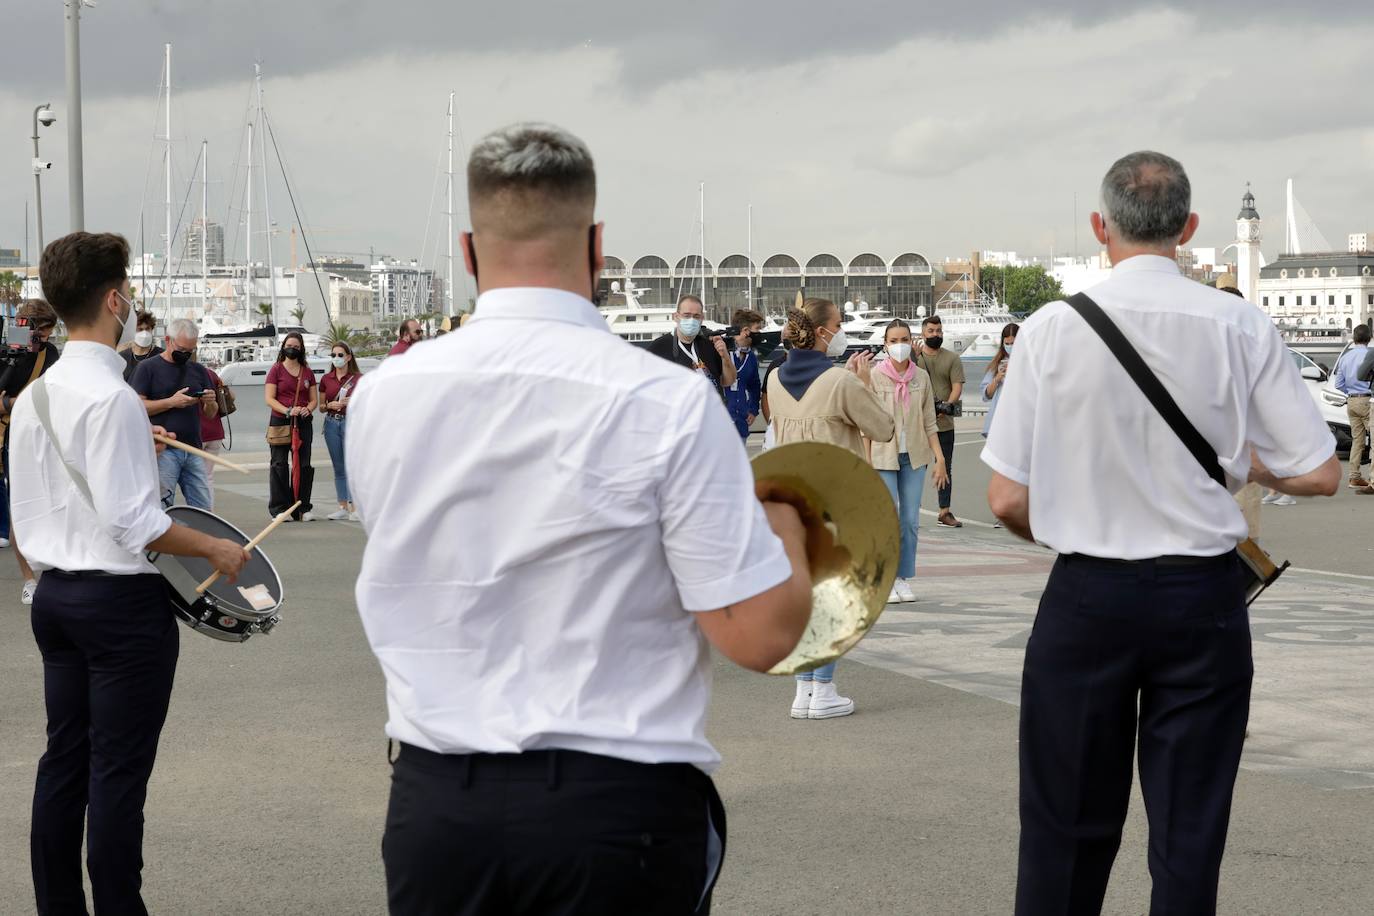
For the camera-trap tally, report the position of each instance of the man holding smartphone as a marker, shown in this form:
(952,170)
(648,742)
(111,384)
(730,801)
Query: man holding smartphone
(178,392)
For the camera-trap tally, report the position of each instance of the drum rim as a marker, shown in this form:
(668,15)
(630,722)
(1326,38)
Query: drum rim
(246,538)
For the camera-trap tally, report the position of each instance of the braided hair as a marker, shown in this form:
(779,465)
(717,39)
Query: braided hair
(802,323)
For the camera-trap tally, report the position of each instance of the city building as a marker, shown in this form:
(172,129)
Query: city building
(399,290)
(11,258)
(1248,256)
(346,268)
(350,302)
(1318,290)
(901,285)
(1357,242)
(211,235)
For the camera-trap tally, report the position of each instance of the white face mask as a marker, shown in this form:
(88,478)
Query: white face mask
(899,352)
(1007,347)
(143,339)
(130,327)
(839,342)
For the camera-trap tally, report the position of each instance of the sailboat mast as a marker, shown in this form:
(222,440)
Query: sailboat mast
(248,231)
(204,223)
(267,204)
(167,269)
(448,286)
(749,256)
(702,191)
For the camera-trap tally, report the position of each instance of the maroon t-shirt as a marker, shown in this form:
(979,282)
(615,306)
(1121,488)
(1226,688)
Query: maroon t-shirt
(291,391)
(399,347)
(331,385)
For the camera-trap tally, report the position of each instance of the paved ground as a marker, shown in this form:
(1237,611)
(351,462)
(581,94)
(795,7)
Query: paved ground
(271,782)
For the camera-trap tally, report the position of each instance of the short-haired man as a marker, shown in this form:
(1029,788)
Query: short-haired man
(144,347)
(742,396)
(177,391)
(691,349)
(21,373)
(1347,381)
(946,371)
(1142,629)
(87,508)
(407,336)
(548,683)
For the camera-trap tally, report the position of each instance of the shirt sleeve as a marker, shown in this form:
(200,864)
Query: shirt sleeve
(928,415)
(720,547)
(956,371)
(865,410)
(1284,426)
(1008,450)
(121,467)
(142,379)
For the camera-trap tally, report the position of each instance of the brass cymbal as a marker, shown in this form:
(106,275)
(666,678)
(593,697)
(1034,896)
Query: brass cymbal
(847,595)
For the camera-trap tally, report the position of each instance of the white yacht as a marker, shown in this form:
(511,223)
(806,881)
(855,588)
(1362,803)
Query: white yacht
(641,324)
(980,330)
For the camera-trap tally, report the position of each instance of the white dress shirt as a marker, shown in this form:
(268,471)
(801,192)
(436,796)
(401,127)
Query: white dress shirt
(105,435)
(1107,475)
(545,505)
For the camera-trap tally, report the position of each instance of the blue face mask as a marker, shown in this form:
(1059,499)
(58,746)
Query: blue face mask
(1007,347)
(689,327)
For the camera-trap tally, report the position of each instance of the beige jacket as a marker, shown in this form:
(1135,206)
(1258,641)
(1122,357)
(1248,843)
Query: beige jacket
(918,421)
(837,408)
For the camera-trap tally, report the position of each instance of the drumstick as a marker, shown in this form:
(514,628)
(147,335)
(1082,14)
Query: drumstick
(201,452)
(262,535)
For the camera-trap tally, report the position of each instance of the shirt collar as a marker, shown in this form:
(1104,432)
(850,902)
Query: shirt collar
(99,352)
(540,303)
(1147,262)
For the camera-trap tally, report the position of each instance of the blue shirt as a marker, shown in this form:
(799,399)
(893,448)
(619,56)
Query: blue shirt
(1347,367)
(156,379)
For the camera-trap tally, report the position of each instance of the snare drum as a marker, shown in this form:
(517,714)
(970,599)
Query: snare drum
(231,613)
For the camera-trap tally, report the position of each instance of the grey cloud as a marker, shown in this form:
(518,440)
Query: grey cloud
(122,40)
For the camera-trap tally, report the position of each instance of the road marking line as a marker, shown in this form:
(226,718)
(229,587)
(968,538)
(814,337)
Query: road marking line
(1327,572)
(966,521)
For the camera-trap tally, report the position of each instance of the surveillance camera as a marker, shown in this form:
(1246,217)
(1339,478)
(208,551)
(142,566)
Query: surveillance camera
(40,165)
(46,117)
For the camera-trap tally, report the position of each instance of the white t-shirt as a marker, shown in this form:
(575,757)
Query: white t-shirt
(1107,475)
(542,519)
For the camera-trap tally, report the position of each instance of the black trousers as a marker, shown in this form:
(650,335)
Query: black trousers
(280,496)
(553,833)
(947,447)
(109,647)
(1158,651)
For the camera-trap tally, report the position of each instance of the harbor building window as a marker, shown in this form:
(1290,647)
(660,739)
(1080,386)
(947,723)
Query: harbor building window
(1266,302)
(1281,301)
(1330,300)
(732,284)
(1347,299)
(825,278)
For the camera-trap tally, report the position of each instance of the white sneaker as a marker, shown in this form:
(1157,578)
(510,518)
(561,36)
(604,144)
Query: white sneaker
(308,517)
(801,704)
(26,596)
(1286,500)
(4,542)
(892,596)
(339,515)
(827,704)
(354,517)
(903,589)
(1270,498)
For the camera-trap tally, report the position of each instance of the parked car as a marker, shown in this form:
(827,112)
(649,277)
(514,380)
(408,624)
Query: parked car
(1329,401)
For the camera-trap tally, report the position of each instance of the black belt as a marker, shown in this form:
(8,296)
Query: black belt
(549,766)
(87,574)
(1082,559)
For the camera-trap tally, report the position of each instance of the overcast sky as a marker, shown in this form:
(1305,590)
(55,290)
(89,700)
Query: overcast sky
(873,125)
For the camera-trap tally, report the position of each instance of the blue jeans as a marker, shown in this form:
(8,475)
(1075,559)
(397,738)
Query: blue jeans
(334,439)
(905,485)
(824,674)
(175,467)
(4,508)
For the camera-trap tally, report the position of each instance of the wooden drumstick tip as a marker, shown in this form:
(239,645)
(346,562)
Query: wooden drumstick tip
(261,536)
(222,462)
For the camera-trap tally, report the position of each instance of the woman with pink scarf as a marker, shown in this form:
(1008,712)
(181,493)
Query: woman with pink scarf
(905,391)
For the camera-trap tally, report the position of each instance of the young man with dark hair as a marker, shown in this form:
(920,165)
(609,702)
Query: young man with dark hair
(742,396)
(88,511)
(143,347)
(946,373)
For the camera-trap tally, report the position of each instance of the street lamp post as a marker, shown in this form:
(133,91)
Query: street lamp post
(41,113)
(75,183)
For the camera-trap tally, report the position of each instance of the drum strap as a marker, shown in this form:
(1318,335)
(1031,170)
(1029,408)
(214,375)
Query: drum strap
(38,391)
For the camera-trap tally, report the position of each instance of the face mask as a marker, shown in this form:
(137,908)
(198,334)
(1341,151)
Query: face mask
(690,327)
(292,353)
(144,339)
(935,342)
(1007,347)
(181,357)
(838,344)
(339,361)
(129,324)
(900,352)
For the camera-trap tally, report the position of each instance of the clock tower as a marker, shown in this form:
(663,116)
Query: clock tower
(1247,247)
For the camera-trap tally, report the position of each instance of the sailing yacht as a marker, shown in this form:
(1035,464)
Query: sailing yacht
(640,324)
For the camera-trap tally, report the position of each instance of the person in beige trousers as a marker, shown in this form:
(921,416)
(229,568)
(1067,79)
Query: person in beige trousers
(813,400)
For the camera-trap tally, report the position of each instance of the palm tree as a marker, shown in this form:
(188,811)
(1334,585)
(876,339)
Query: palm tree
(265,310)
(298,313)
(338,333)
(11,288)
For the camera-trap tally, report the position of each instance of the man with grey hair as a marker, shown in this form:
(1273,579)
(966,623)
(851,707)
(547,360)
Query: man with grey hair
(1142,628)
(177,391)
(548,682)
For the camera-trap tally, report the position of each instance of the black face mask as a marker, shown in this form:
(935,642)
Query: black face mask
(935,342)
(181,357)
(292,353)
(591,259)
